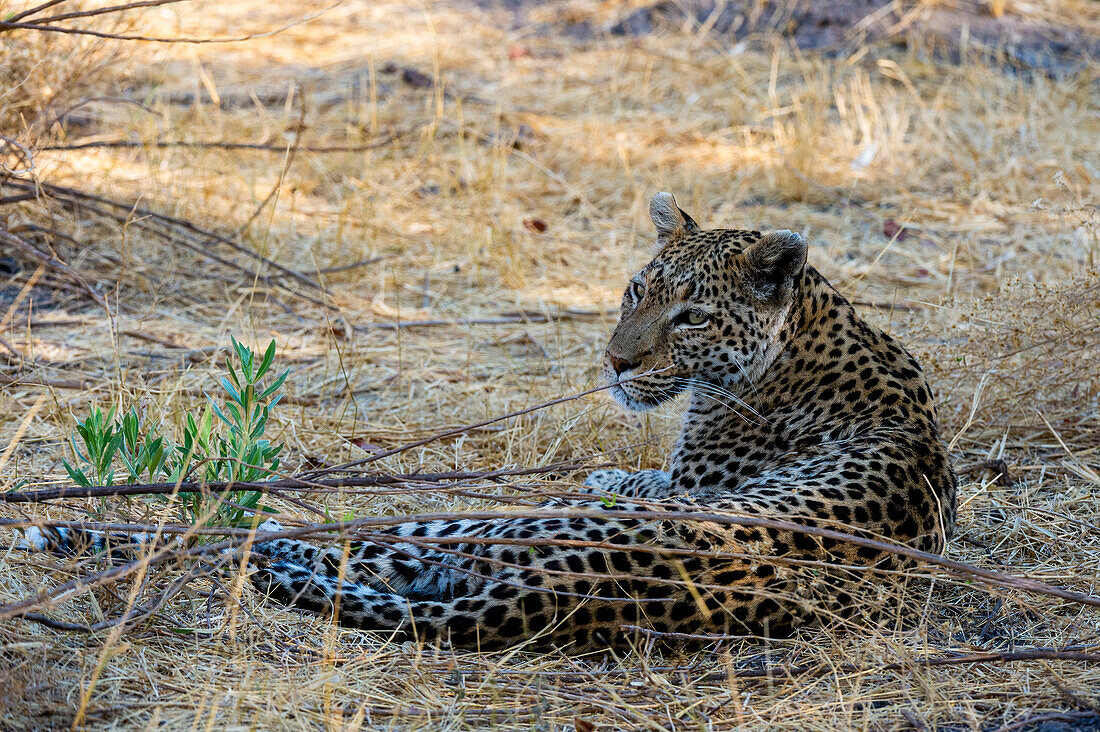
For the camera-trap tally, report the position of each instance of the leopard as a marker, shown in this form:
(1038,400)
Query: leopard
(800,416)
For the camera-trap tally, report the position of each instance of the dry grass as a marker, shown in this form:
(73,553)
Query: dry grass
(993,284)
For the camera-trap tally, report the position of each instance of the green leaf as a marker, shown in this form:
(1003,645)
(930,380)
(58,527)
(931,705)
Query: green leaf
(77,451)
(77,475)
(244,355)
(265,364)
(206,424)
(238,419)
(130,427)
(133,469)
(232,372)
(112,447)
(248,395)
(218,411)
(234,394)
(258,428)
(278,398)
(86,434)
(187,448)
(277,383)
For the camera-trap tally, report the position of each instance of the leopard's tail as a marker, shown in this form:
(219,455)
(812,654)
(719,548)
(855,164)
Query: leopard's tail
(81,542)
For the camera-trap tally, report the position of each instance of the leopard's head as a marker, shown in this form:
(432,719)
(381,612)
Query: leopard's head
(708,309)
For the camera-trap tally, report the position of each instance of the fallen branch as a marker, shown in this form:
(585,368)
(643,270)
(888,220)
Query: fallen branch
(49,383)
(821,669)
(1036,722)
(285,484)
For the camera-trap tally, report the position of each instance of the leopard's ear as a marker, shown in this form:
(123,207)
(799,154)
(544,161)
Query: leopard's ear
(774,262)
(670,221)
(690,227)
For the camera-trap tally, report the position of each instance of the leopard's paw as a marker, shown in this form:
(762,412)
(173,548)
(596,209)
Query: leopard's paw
(270,525)
(34,539)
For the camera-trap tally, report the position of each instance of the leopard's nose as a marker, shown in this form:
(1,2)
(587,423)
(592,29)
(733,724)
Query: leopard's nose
(620,364)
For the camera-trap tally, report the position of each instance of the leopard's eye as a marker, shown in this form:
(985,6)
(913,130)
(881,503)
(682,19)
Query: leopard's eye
(637,290)
(692,317)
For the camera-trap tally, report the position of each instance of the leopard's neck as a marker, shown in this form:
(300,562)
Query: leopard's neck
(765,413)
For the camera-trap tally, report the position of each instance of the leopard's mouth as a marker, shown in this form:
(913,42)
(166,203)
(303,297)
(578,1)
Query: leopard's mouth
(640,394)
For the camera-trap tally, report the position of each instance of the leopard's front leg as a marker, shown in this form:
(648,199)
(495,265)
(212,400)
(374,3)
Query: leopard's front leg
(645,484)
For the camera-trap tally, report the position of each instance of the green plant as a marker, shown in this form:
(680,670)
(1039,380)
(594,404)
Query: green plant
(142,453)
(230,450)
(101,438)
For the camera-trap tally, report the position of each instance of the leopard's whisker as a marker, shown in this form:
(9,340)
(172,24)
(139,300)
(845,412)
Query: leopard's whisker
(713,391)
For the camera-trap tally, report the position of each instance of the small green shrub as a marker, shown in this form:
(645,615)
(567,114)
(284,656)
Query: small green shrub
(230,449)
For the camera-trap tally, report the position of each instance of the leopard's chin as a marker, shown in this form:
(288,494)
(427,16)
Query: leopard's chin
(628,401)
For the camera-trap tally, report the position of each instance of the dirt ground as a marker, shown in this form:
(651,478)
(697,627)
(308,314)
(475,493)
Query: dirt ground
(433,209)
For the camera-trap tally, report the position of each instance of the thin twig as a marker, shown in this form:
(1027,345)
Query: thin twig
(216,145)
(53,263)
(1075,698)
(36,9)
(88,100)
(467,428)
(12,25)
(290,151)
(23,152)
(103,11)
(304,401)
(194,237)
(135,614)
(516,317)
(1029,654)
(77,196)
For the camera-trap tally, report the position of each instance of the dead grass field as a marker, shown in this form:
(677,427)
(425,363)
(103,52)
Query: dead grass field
(495,193)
